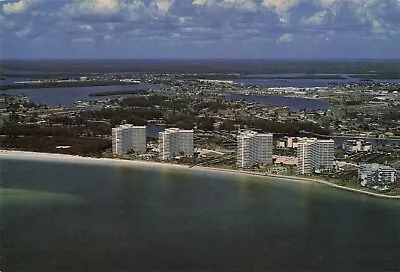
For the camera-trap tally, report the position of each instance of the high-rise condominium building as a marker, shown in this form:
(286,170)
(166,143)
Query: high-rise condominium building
(254,149)
(128,137)
(175,142)
(315,155)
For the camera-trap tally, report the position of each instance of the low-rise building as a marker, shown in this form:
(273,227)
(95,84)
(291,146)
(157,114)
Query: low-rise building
(370,175)
(354,146)
(289,142)
(280,144)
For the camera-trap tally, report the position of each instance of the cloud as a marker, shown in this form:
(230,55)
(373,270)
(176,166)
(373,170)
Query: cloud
(86,27)
(163,4)
(285,38)
(24,32)
(19,6)
(280,6)
(98,9)
(199,2)
(201,22)
(83,40)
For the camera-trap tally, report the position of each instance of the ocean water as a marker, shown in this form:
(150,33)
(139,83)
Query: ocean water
(83,217)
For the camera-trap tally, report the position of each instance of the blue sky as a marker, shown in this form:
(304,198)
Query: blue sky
(200,28)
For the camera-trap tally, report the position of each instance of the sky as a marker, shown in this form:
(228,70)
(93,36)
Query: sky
(132,29)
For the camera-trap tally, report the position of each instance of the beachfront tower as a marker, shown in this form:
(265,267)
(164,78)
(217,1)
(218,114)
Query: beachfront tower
(175,142)
(127,138)
(315,155)
(254,149)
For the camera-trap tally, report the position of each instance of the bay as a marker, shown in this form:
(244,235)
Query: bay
(160,219)
(67,96)
(294,103)
(379,142)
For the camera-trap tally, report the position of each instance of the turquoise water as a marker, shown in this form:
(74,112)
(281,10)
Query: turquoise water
(77,217)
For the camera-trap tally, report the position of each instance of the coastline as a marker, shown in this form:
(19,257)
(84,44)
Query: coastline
(53,157)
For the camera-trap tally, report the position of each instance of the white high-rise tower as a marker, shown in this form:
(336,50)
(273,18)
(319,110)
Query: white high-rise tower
(313,154)
(128,137)
(254,149)
(175,142)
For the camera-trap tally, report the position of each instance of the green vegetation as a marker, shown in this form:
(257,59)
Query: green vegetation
(62,126)
(138,116)
(381,155)
(289,127)
(83,146)
(353,102)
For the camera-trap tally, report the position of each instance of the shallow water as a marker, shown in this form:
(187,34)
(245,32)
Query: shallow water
(112,218)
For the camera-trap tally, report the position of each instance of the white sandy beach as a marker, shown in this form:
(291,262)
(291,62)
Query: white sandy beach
(53,157)
(27,155)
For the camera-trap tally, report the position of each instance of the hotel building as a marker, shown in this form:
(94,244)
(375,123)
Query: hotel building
(315,155)
(127,138)
(254,149)
(175,142)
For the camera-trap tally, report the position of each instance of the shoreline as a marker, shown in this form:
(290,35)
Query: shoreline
(53,157)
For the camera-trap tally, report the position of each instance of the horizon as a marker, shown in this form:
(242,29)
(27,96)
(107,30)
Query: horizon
(205,59)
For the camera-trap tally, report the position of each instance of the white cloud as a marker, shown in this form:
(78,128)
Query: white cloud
(24,32)
(163,5)
(199,2)
(280,6)
(19,6)
(285,38)
(109,11)
(193,21)
(93,7)
(108,37)
(316,19)
(82,40)
(86,27)
(240,4)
